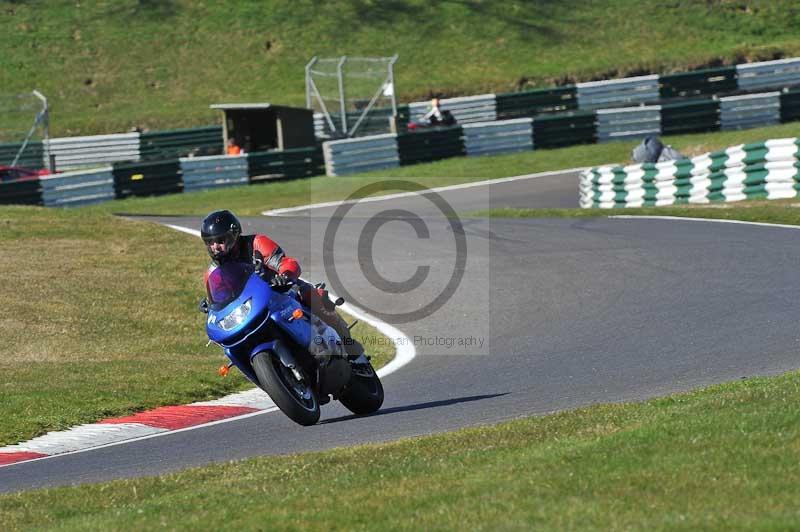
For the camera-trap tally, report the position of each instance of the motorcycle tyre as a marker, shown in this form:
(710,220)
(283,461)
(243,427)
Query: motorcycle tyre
(363,395)
(272,382)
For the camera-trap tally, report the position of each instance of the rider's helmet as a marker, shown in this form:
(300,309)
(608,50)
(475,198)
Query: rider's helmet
(220,227)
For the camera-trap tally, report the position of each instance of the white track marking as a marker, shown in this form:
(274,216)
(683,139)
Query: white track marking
(712,220)
(81,437)
(281,212)
(255,398)
(166,432)
(193,232)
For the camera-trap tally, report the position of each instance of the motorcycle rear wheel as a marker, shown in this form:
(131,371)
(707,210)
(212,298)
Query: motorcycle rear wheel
(296,399)
(363,394)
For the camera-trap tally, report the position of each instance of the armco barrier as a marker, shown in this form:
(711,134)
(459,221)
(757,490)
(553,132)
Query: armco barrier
(32,157)
(768,170)
(467,109)
(704,82)
(293,163)
(322,129)
(78,188)
(430,145)
(147,178)
(752,110)
(790,105)
(534,102)
(690,117)
(769,74)
(617,92)
(199,141)
(575,127)
(378,121)
(21,192)
(502,136)
(82,152)
(201,173)
(350,156)
(628,123)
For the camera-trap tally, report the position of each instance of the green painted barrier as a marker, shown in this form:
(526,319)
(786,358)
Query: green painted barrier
(147,178)
(199,141)
(699,82)
(535,102)
(575,127)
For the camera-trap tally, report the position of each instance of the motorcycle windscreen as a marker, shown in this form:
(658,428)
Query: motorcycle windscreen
(226,282)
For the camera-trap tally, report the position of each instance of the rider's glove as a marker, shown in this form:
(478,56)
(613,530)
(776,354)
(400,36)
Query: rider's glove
(258,264)
(280,282)
(203,306)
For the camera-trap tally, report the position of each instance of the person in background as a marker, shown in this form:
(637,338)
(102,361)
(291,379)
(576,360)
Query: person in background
(434,116)
(233,148)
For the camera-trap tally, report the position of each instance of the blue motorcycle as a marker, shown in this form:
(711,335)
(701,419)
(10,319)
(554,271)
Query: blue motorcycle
(283,348)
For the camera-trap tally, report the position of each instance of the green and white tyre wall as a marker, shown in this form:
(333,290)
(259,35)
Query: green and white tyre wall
(765,170)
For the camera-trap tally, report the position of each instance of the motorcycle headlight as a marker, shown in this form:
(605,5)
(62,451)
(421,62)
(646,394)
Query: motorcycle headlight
(237,316)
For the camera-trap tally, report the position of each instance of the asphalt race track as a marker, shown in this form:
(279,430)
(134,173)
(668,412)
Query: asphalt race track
(545,315)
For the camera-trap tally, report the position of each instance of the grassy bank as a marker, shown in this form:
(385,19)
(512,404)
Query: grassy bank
(254,199)
(100,320)
(725,457)
(108,66)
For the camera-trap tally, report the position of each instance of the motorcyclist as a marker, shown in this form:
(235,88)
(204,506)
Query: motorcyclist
(222,234)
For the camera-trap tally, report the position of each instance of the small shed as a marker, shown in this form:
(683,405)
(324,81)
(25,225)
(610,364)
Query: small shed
(262,126)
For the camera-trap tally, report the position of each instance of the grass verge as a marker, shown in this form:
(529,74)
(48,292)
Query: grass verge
(108,66)
(725,457)
(254,199)
(100,320)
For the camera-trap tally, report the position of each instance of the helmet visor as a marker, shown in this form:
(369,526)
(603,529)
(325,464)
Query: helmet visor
(214,243)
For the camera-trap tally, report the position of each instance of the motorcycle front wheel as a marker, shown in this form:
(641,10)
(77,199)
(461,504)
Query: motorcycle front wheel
(364,393)
(296,398)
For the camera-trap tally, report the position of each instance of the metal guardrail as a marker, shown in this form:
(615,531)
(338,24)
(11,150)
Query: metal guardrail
(534,102)
(617,92)
(189,142)
(769,74)
(21,192)
(467,109)
(705,82)
(503,136)
(147,178)
(351,156)
(279,164)
(623,92)
(78,188)
(378,122)
(322,129)
(690,117)
(32,157)
(81,152)
(202,173)
(568,129)
(752,110)
(430,145)
(790,105)
(628,123)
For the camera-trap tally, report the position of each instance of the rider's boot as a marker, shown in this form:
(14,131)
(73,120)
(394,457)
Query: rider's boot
(352,346)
